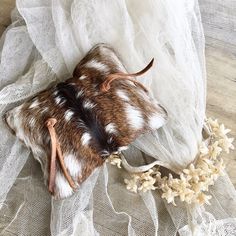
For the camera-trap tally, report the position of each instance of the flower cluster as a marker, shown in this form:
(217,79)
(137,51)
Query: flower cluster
(220,132)
(114,160)
(194,181)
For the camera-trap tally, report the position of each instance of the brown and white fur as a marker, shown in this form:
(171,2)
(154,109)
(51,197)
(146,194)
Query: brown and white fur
(91,124)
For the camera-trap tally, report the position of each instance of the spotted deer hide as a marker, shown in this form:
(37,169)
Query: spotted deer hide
(90,122)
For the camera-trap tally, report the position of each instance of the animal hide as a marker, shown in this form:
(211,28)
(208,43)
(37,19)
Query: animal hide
(72,127)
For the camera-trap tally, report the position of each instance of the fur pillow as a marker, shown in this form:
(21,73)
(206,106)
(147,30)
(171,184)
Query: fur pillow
(74,126)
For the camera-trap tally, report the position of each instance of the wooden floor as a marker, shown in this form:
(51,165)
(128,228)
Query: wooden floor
(5,13)
(221,98)
(221,72)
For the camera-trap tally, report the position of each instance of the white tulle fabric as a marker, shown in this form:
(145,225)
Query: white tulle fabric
(46,40)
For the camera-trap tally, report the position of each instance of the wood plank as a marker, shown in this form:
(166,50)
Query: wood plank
(6,7)
(221,97)
(219,20)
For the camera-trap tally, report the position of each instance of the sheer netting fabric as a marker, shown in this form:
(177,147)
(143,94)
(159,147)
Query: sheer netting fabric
(45,41)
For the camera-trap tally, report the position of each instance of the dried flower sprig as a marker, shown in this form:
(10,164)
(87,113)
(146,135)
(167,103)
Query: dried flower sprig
(114,160)
(195,180)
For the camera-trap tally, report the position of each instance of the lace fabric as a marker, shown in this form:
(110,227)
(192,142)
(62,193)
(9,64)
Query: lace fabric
(46,40)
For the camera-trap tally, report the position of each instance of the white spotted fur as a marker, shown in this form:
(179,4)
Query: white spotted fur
(104,153)
(111,128)
(32,122)
(79,94)
(45,109)
(156,121)
(82,77)
(86,137)
(73,165)
(63,188)
(58,100)
(97,65)
(68,115)
(34,104)
(122,95)
(88,105)
(134,117)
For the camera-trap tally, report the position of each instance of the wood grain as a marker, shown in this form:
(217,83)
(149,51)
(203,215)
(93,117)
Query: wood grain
(6,7)
(219,22)
(221,97)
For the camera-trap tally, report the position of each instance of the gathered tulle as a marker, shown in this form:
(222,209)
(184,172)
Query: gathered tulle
(46,40)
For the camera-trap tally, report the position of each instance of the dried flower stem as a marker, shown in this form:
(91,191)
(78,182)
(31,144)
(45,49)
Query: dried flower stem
(193,181)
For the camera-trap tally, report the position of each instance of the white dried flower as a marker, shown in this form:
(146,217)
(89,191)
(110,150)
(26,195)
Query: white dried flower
(136,177)
(115,160)
(200,186)
(170,195)
(147,175)
(147,185)
(215,150)
(213,123)
(163,185)
(203,164)
(156,172)
(173,183)
(203,149)
(193,173)
(226,144)
(194,180)
(189,198)
(184,183)
(221,131)
(219,168)
(208,180)
(131,185)
(186,195)
(203,198)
